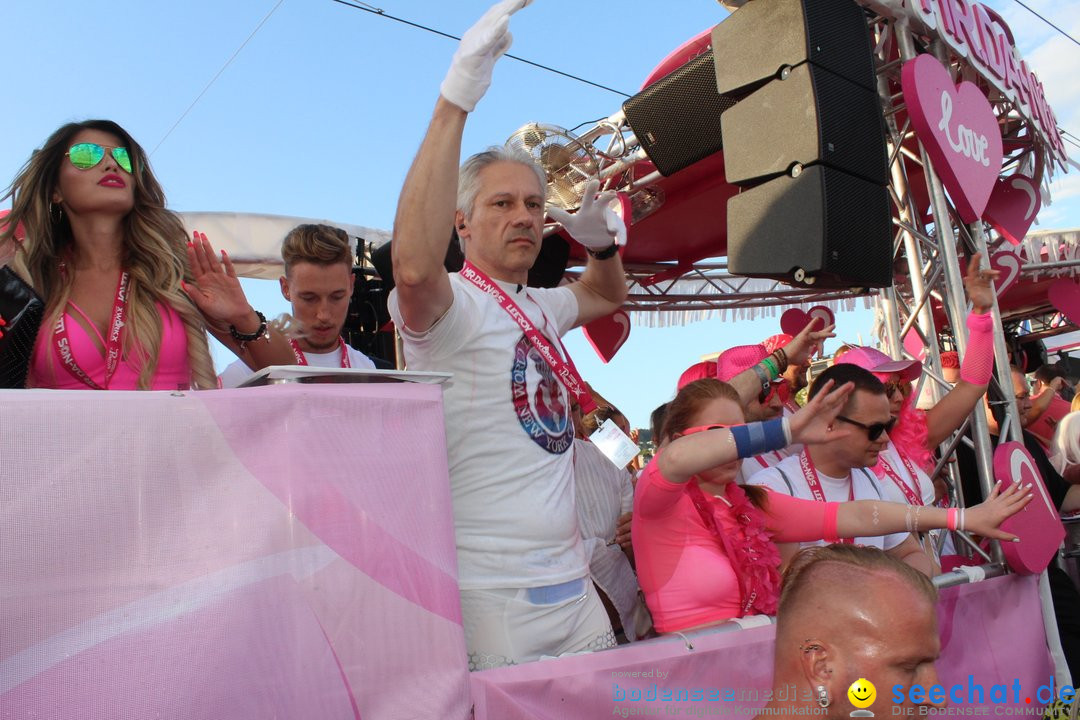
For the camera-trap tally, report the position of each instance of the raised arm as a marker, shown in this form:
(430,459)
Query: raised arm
(602,287)
(749,383)
(978,364)
(425,218)
(425,212)
(689,455)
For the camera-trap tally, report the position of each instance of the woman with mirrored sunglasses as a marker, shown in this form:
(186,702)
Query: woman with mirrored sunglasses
(705,545)
(128,298)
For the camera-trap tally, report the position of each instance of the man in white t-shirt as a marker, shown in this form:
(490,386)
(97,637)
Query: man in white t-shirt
(838,470)
(318,281)
(521,562)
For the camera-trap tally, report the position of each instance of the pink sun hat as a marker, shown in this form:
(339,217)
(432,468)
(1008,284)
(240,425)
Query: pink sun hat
(879,363)
(736,359)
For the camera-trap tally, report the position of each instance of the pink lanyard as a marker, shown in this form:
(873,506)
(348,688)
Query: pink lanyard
(564,370)
(810,473)
(112,346)
(761,459)
(914,496)
(301,358)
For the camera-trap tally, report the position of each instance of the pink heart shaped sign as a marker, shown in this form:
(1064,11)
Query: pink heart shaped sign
(608,334)
(794,320)
(959,130)
(1013,205)
(1008,264)
(1038,525)
(1064,295)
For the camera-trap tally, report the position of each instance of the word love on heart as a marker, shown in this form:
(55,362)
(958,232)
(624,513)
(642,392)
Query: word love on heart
(968,143)
(959,130)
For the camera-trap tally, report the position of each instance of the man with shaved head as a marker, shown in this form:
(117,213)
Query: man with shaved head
(828,637)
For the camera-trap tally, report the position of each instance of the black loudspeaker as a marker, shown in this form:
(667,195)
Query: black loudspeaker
(810,116)
(677,118)
(824,229)
(763,36)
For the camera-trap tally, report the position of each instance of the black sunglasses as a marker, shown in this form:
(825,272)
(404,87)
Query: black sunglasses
(873,431)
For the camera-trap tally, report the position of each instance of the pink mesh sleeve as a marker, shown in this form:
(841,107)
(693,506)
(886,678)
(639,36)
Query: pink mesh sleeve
(978,362)
(796,520)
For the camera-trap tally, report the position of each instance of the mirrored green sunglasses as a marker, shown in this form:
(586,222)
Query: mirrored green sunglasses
(86,155)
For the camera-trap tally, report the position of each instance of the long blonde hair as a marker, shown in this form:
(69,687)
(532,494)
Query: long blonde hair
(154,252)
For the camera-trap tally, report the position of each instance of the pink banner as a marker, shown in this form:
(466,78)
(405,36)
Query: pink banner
(991,632)
(270,552)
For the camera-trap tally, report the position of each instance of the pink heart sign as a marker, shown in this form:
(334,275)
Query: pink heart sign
(1008,264)
(1013,206)
(959,130)
(607,334)
(1038,525)
(794,320)
(1064,295)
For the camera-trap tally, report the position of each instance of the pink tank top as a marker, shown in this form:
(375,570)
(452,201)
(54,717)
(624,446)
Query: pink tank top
(47,370)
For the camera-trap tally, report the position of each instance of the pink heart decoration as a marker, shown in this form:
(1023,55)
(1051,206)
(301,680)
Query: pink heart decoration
(1008,264)
(959,130)
(608,334)
(794,320)
(824,314)
(1064,295)
(1013,205)
(1038,525)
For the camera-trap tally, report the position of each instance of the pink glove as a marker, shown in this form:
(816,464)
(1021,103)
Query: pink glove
(978,364)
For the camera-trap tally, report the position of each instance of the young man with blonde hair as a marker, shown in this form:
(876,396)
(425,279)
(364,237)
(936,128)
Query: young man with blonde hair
(318,281)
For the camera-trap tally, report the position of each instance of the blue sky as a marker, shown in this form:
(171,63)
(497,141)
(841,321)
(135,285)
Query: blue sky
(319,114)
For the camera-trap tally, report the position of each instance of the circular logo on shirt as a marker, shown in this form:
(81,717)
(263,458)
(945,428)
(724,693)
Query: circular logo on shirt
(539,400)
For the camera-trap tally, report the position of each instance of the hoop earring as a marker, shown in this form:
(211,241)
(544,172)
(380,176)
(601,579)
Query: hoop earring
(58,216)
(823,698)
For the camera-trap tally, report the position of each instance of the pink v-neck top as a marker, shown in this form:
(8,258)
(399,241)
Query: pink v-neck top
(47,370)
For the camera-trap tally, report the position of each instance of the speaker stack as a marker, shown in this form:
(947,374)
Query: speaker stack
(806,141)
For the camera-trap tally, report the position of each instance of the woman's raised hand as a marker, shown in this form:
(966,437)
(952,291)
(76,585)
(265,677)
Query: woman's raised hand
(216,290)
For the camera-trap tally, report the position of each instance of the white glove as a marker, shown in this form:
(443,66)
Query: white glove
(596,224)
(485,42)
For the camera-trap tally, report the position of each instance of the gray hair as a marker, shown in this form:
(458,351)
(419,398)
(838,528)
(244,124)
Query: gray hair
(468,182)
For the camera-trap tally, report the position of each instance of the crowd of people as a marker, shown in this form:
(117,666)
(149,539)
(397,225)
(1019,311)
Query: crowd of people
(559,549)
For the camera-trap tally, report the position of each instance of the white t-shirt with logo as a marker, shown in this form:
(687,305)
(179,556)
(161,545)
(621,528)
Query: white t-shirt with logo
(508,434)
(237,372)
(787,477)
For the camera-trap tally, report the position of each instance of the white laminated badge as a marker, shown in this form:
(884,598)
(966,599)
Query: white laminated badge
(614,443)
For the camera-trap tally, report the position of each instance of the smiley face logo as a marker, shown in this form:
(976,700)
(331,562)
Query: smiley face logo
(862,693)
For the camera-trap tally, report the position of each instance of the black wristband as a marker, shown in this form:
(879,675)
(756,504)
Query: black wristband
(605,253)
(243,338)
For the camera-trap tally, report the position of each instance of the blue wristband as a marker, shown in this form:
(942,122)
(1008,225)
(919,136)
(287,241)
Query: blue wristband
(758,438)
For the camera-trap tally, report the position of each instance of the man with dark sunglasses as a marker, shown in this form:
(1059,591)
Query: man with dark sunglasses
(838,470)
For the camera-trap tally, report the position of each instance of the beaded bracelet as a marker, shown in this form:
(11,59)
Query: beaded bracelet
(781,360)
(245,338)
